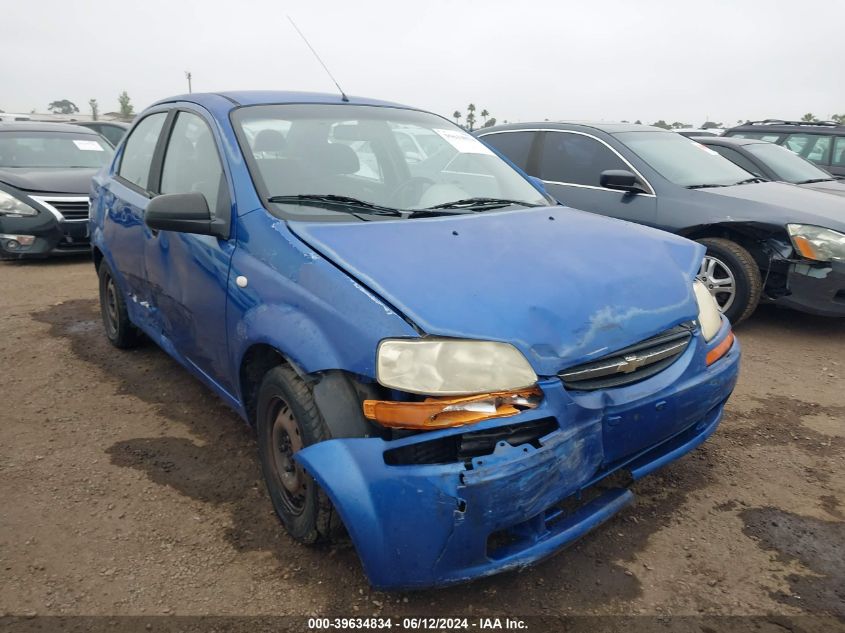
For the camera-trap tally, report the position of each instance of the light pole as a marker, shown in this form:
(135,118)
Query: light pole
(188,77)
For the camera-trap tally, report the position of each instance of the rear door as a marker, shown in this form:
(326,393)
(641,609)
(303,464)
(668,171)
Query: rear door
(125,197)
(188,273)
(570,164)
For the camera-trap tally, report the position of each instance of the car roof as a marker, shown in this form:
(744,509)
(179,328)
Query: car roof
(35,126)
(727,141)
(778,125)
(262,97)
(576,126)
(119,124)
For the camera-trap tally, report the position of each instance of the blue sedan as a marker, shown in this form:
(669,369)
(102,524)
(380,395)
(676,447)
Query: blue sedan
(434,355)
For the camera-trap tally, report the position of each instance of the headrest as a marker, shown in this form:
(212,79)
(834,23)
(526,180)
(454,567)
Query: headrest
(269,141)
(340,159)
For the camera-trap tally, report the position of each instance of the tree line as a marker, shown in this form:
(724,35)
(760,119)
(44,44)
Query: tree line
(66,106)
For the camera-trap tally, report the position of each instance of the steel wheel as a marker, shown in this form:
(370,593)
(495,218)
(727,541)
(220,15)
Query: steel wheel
(111,309)
(287,440)
(719,280)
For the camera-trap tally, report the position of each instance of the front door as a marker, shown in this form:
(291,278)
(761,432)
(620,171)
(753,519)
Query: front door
(570,164)
(187,274)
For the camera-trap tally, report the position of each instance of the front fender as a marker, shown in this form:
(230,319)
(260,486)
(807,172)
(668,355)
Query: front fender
(301,304)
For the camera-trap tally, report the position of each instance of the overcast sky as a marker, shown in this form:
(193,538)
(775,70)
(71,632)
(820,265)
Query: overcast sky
(521,60)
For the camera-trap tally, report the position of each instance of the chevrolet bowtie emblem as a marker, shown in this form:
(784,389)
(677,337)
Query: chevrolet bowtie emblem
(631,363)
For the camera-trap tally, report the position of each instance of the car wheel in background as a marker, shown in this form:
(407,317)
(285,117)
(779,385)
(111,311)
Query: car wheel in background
(119,329)
(287,421)
(732,276)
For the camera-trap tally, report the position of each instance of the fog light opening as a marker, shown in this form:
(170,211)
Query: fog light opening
(17,242)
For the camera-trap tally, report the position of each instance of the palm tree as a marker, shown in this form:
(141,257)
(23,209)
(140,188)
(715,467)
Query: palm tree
(471,116)
(809,117)
(484,115)
(456,115)
(838,118)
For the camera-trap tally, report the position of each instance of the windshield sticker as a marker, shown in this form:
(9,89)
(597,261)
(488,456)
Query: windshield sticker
(88,146)
(463,142)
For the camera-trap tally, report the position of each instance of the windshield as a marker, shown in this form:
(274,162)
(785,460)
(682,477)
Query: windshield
(53,149)
(389,157)
(787,165)
(682,161)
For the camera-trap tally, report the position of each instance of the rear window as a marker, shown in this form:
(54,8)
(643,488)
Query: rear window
(66,150)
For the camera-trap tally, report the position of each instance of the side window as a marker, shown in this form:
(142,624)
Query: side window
(576,159)
(738,159)
(515,145)
(838,159)
(813,147)
(139,149)
(191,163)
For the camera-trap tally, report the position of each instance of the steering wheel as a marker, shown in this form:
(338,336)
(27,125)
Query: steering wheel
(415,186)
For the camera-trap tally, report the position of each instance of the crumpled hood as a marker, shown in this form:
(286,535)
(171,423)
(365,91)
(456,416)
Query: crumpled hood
(782,203)
(49,180)
(562,285)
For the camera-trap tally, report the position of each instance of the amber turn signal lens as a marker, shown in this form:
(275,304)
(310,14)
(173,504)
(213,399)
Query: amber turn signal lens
(721,349)
(805,247)
(438,413)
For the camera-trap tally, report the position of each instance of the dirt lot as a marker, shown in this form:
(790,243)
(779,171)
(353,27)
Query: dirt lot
(126,488)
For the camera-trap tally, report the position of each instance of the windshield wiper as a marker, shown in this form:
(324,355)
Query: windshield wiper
(812,180)
(481,203)
(748,181)
(345,203)
(704,186)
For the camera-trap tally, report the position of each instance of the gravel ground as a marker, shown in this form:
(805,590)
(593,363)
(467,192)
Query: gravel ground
(127,488)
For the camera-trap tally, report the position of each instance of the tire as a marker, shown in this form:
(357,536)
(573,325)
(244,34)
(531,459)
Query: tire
(725,261)
(287,420)
(119,329)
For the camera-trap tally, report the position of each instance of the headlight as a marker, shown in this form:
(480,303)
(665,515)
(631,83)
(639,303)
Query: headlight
(817,243)
(451,367)
(10,205)
(709,316)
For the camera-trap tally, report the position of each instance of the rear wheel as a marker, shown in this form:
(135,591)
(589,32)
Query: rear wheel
(732,276)
(288,420)
(119,329)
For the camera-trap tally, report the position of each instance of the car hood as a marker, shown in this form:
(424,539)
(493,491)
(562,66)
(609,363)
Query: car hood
(782,203)
(563,286)
(836,187)
(49,180)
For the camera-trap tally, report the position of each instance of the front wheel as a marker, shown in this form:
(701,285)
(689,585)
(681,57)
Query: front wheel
(732,276)
(287,421)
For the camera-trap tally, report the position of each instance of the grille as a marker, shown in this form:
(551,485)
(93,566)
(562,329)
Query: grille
(632,364)
(71,210)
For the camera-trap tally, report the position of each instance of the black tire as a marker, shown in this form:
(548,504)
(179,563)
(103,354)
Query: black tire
(287,420)
(739,263)
(119,329)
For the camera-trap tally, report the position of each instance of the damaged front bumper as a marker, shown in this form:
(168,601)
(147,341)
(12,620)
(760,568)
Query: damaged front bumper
(816,288)
(428,521)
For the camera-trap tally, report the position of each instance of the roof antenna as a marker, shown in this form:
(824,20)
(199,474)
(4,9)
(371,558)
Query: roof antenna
(326,68)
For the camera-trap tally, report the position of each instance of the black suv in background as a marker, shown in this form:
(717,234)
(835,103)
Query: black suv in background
(822,142)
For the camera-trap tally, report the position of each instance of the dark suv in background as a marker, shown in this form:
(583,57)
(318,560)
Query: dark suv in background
(822,142)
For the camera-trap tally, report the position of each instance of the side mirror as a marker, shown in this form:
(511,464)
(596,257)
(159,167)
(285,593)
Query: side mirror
(539,185)
(621,180)
(184,213)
